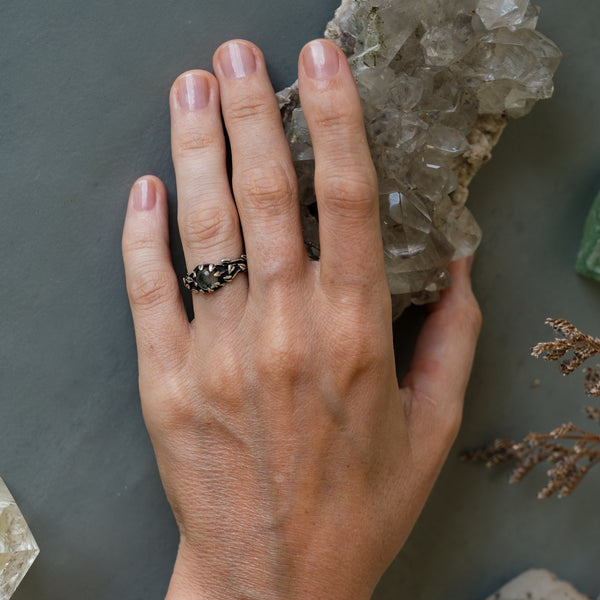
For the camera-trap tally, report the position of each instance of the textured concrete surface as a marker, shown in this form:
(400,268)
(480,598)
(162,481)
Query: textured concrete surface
(83,95)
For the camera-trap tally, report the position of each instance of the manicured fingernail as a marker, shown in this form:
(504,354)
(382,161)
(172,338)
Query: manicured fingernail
(321,60)
(237,60)
(193,91)
(143,195)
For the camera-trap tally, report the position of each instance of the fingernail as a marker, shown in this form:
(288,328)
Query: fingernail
(237,60)
(143,195)
(321,60)
(193,92)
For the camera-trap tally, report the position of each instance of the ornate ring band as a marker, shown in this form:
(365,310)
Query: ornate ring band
(209,278)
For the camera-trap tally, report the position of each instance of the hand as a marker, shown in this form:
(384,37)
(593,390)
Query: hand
(295,464)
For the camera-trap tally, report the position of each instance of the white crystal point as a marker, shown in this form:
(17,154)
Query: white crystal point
(18,549)
(502,13)
(537,584)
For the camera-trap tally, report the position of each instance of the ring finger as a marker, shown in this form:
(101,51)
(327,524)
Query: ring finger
(207,216)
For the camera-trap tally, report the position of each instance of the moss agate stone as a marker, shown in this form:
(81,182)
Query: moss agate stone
(588,261)
(438,82)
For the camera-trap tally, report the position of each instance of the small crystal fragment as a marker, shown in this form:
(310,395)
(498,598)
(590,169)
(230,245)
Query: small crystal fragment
(530,18)
(445,45)
(300,143)
(18,549)
(502,13)
(447,140)
(537,584)
(588,261)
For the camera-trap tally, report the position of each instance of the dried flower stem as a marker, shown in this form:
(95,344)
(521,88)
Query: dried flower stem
(571,462)
(581,346)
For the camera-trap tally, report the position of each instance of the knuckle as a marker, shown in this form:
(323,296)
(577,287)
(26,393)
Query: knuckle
(177,408)
(355,295)
(449,427)
(267,188)
(224,358)
(280,276)
(344,194)
(280,361)
(360,342)
(140,243)
(357,348)
(246,107)
(282,353)
(149,289)
(476,315)
(444,420)
(207,227)
(470,316)
(184,404)
(331,117)
(193,141)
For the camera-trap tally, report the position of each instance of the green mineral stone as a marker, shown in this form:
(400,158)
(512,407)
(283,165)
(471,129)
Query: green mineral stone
(588,261)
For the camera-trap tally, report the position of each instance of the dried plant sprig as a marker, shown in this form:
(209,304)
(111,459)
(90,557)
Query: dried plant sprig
(571,451)
(581,346)
(592,382)
(593,413)
(570,462)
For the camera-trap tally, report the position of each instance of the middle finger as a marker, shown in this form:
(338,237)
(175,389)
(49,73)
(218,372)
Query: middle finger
(264,180)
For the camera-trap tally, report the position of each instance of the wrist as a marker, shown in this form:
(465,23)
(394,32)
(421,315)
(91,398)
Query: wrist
(200,576)
(224,579)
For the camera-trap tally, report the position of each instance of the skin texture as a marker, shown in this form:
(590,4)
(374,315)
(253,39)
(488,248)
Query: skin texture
(295,464)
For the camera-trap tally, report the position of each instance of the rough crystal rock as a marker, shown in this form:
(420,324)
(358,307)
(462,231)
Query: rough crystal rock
(438,81)
(588,261)
(537,584)
(506,13)
(18,549)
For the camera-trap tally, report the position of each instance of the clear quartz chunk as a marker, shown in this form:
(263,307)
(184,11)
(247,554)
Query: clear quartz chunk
(437,82)
(18,549)
(537,584)
(502,13)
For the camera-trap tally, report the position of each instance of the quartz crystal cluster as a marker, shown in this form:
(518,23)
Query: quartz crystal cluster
(18,549)
(438,81)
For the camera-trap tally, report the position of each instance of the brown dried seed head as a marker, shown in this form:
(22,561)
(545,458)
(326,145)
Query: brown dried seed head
(593,413)
(592,382)
(551,350)
(564,327)
(563,430)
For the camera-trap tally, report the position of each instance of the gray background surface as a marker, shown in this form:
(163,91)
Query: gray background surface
(83,95)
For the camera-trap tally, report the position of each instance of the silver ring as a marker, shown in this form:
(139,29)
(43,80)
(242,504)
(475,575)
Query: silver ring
(209,278)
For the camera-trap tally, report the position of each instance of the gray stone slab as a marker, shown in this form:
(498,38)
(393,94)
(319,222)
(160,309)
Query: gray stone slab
(83,95)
